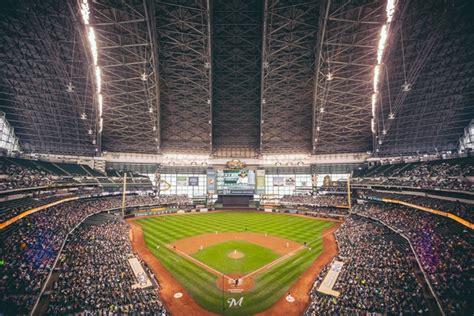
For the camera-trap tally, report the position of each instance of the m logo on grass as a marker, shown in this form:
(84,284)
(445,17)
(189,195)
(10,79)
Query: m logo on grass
(233,302)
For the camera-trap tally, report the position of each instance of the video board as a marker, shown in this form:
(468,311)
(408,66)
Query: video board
(236,181)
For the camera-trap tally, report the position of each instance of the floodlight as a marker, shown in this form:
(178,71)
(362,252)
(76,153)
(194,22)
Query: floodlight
(406,87)
(70,88)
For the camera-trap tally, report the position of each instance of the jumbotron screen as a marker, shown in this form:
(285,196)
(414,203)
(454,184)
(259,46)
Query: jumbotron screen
(236,181)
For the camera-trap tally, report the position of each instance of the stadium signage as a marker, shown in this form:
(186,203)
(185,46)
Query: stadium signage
(235,192)
(236,164)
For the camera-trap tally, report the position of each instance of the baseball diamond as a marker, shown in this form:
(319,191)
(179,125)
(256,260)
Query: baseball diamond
(236,157)
(273,268)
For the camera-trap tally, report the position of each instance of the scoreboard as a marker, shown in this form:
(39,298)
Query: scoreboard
(236,181)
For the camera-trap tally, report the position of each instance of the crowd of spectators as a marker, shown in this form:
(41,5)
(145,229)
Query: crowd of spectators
(175,200)
(9,209)
(447,175)
(445,249)
(376,278)
(313,200)
(95,276)
(335,186)
(14,176)
(161,200)
(19,174)
(131,200)
(325,211)
(440,168)
(30,246)
(463,210)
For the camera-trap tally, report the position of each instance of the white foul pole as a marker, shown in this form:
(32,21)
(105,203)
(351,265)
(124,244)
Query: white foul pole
(124,188)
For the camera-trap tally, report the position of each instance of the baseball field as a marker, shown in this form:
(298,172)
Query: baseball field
(235,263)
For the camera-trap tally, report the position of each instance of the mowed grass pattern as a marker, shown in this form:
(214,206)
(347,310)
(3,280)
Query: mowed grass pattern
(217,257)
(201,284)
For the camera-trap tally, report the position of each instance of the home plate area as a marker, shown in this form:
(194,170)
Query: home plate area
(234,283)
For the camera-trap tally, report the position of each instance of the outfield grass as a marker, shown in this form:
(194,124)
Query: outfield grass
(217,257)
(269,286)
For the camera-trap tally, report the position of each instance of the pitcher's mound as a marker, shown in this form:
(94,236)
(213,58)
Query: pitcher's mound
(236,254)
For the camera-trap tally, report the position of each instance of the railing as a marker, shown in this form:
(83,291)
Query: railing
(432,211)
(47,187)
(456,218)
(23,214)
(357,184)
(12,220)
(48,278)
(427,280)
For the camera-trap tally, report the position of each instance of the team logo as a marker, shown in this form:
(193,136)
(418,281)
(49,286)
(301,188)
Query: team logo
(236,164)
(235,303)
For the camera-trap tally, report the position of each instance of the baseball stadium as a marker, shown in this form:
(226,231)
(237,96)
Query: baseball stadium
(236,157)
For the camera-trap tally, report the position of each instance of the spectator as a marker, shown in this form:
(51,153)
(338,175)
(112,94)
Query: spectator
(314,200)
(376,276)
(448,175)
(445,249)
(463,210)
(95,275)
(30,247)
(14,176)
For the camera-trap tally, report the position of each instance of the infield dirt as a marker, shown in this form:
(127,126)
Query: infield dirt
(193,244)
(187,306)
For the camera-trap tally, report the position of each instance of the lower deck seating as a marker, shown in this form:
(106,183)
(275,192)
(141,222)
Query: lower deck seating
(9,209)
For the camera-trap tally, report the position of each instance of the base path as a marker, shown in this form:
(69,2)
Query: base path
(185,247)
(187,306)
(300,289)
(193,244)
(168,284)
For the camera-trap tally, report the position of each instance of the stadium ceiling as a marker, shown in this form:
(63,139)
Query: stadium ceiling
(235,77)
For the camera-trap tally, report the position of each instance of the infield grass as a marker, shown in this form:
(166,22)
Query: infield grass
(270,285)
(217,256)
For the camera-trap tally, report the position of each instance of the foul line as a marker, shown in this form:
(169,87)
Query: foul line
(274,262)
(288,255)
(267,266)
(183,254)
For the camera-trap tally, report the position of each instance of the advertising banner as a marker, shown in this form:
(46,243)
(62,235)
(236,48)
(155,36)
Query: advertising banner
(290,181)
(211,181)
(260,186)
(278,181)
(181,180)
(193,181)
